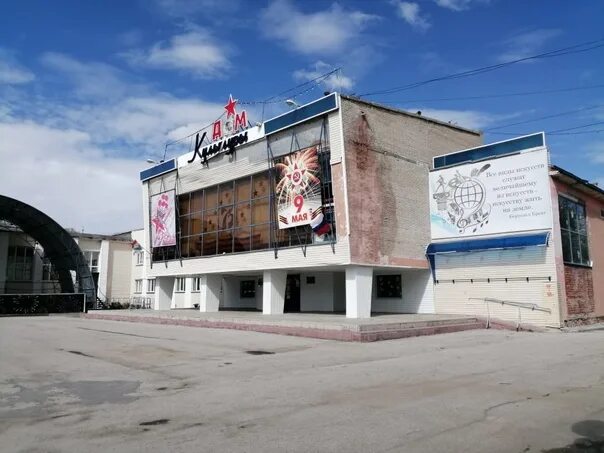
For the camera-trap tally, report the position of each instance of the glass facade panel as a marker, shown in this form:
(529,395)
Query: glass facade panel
(211,197)
(210,221)
(195,246)
(243,188)
(195,224)
(260,211)
(183,204)
(184,225)
(226,219)
(225,242)
(260,237)
(196,201)
(241,240)
(184,247)
(209,244)
(260,185)
(226,195)
(236,217)
(243,214)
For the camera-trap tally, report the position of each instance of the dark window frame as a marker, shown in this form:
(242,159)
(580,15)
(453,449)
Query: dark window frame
(389,286)
(573,231)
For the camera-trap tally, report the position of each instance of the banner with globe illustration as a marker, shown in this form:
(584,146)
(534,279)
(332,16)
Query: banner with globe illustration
(507,194)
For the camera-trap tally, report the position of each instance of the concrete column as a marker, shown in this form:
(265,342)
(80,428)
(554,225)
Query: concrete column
(210,293)
(164,286)
(358,291)
(273,292)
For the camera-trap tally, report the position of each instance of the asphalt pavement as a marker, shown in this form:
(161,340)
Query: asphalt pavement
(77,385)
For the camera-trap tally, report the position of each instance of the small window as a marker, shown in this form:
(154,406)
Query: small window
(151,285)
(138,286)
(197,284)
(389,286)
(140,258)
(310,280)
(181,283)
(247,289)
(602,213)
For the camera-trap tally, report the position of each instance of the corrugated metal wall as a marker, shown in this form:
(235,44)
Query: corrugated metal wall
(454,292)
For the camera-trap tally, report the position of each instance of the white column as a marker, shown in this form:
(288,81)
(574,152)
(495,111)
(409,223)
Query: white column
(210,293)
(273,292)
(358,291)
(164,287)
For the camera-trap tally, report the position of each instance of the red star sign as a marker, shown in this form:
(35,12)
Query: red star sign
(230,107)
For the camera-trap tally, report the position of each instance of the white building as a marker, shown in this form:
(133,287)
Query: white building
(24,269)
(227,225)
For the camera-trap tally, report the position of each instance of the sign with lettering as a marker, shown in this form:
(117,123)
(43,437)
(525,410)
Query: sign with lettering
(225,136)
(298,188)
(501,195)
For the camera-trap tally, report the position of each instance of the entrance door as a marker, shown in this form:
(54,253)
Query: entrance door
(292,294)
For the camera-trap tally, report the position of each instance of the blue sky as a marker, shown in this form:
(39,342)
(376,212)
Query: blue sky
(89,90)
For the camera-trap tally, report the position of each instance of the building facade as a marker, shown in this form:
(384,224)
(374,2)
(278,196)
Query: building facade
(24,268)
(515,238)
(322,209)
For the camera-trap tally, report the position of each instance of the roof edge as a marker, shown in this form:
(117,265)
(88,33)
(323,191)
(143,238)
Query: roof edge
(413,115)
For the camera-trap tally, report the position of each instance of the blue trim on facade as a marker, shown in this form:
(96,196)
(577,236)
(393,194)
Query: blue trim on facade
(475,245)
(306,112)
(162,168)
(493,150)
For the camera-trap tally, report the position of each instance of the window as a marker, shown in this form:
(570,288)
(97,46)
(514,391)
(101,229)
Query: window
(19,266)
(196,284)
(389,286)
(181,283)
(236,217)
(140,257)
(573,228)
(247,289)
(93,260)
(138,286)
(151,285)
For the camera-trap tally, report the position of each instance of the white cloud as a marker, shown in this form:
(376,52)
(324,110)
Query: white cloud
(458,5)
(78,159)
(11,72)
(64,175)
(196,52)
(333,82)
(319,33)
(526,44)
(89,79)
(410,13)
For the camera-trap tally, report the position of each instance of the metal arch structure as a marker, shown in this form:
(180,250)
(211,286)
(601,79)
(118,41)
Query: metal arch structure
(59,246)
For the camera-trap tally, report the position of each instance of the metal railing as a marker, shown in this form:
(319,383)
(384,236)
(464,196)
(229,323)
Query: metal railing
(512,303)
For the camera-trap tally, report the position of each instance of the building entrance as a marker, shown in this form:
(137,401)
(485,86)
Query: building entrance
(292,294)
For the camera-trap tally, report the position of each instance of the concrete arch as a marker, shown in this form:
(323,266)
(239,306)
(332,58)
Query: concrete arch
(60,247)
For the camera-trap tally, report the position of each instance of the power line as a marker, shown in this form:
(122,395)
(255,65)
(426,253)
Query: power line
(313,82)
(556,115)
(492,96)
(577,48)
(561,131)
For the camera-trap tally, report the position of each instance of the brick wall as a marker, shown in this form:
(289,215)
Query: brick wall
(579,290)
(388,156)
